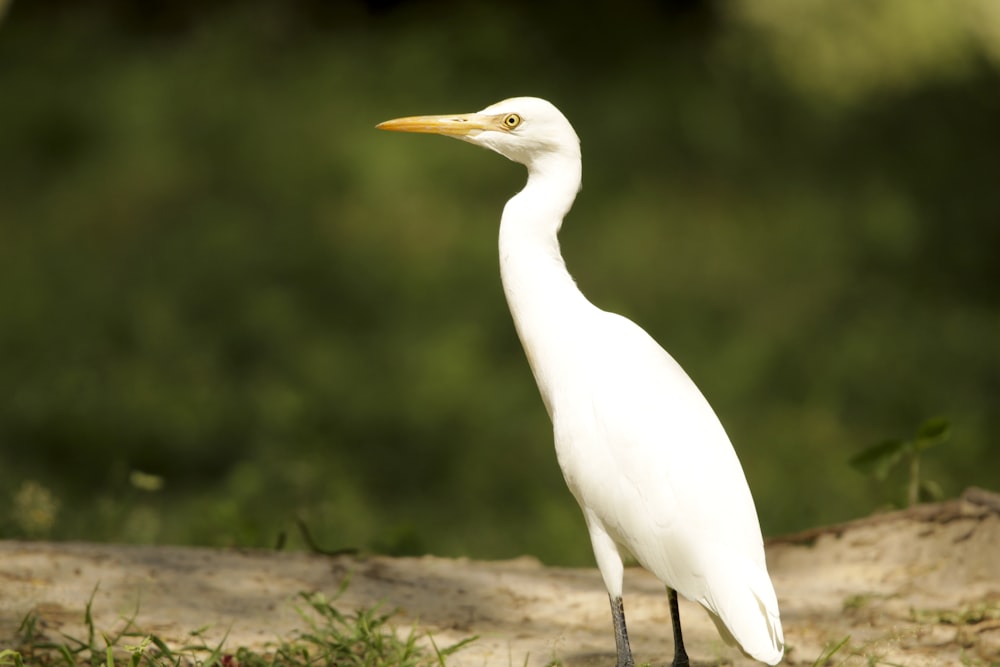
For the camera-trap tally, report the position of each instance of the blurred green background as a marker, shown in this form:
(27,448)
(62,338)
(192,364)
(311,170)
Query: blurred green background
(227,302)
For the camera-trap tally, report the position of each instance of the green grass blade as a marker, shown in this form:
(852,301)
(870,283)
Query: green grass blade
(830,651)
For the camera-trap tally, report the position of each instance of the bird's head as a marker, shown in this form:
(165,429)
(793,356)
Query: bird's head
(523,129)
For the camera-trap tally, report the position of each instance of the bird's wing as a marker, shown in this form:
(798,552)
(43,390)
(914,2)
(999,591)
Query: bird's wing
(650,433)
(656,466)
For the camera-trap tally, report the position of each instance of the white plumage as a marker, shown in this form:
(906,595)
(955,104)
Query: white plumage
(641,449)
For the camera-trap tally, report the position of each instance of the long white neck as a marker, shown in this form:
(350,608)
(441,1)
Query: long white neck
(544,300)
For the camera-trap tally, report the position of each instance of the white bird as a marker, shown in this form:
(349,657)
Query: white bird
(640,448)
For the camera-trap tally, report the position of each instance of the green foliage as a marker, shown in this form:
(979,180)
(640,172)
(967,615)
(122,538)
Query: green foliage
(363,638)
(34,509)
(215,272)
(830,650)
(11,657)
(878,460)
(969,614)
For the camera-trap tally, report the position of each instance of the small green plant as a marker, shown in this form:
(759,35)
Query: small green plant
(363,638)
(830,650)
(878,460)
(856,602)
(986,610)
(10,657)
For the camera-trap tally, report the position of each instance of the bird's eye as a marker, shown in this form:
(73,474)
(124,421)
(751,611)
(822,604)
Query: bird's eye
(511,120)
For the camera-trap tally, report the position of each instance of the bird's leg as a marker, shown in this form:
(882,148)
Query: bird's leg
(621,633)
(680,655)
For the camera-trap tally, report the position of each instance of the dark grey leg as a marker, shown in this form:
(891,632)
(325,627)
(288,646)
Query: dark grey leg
(680,655)
(621,634)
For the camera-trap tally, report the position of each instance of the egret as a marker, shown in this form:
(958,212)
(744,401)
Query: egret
(641,450)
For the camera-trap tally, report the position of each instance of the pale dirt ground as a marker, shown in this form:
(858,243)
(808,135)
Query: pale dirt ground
(917,587)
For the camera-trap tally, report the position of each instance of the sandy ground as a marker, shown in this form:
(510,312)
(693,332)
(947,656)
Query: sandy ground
(917,587)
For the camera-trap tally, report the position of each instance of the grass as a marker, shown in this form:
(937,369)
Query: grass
(830,650)
(363,638)
(985,610)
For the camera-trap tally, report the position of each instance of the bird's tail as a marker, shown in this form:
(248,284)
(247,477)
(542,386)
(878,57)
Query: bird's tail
(746,612)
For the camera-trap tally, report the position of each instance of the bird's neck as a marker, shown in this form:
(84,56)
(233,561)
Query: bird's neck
(532,218)
(544,301)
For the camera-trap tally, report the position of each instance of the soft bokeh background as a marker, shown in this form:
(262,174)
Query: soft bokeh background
(228,303)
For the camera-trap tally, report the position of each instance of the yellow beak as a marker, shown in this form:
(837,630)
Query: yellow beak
(454,125)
